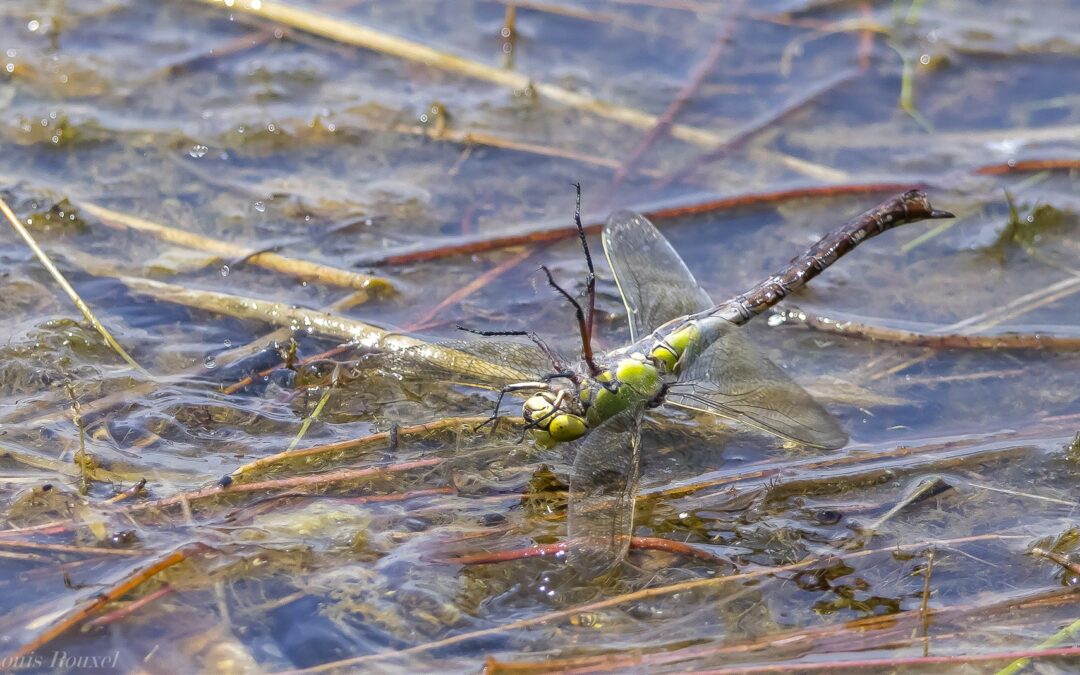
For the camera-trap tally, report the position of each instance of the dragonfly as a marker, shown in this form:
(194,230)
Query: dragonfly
(685,351)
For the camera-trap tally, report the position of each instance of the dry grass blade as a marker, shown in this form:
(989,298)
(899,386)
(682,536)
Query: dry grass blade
(793,316)
(71,292)
(276,313)
(1066,634)
(268,260)
(358,35)
(314,321)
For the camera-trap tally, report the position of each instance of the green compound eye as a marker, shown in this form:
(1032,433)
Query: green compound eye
(538,410)
(566,428)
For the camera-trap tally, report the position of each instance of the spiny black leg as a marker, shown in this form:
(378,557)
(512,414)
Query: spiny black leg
(556,363)
(590,281)
(586,346)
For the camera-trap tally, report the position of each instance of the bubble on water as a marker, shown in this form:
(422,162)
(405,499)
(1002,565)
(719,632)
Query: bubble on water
(11,53)
(227,342)
(198,151)
(260,207)
(209,362)
(225,270)
(10,67)
(32,25)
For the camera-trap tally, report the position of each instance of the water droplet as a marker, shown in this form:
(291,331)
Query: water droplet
(260,207)
(198,151)
(32,25)
(227,342)
(224,270)
(271,128)
(209,362)
(924,59)
(11,53)
(10,67)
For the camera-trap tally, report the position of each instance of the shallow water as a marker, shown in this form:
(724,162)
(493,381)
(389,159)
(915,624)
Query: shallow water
(247,131)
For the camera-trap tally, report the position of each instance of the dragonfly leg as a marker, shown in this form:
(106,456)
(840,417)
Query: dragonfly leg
(556,362)
(583,328)
(590,280)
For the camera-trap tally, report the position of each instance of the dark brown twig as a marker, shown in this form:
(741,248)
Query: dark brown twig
(130,608)
(128,583)
(558,231)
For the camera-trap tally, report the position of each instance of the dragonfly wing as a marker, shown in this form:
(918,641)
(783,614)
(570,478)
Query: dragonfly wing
(480,362)
(731,378)
(654,282)
(603,485)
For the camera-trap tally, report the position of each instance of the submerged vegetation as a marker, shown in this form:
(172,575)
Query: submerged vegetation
(237,228)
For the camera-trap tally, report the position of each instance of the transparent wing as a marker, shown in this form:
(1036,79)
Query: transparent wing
(485,362)
(654,282)
(731,378)
(603,485)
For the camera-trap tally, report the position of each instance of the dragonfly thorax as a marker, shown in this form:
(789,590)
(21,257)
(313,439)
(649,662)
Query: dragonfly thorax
(563,415)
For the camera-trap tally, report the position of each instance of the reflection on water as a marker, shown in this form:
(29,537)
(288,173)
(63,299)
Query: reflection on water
(244,130)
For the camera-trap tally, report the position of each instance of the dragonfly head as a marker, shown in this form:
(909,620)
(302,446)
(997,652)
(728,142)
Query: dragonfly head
(546,411)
